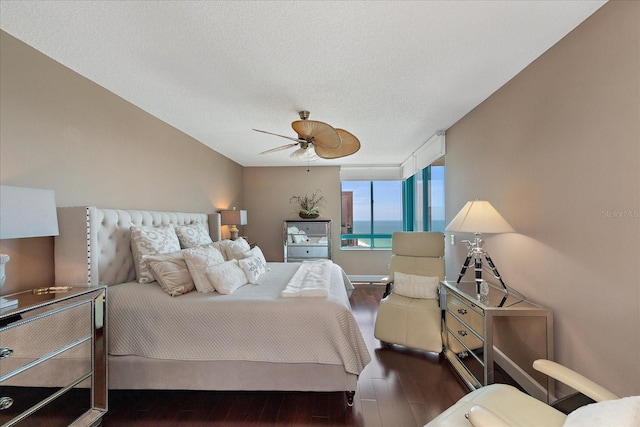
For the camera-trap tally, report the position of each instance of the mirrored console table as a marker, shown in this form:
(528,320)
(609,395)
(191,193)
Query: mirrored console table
(496,327)
(53,368)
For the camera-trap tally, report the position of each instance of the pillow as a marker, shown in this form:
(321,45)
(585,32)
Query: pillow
(256,252)
(291,230)
(226,277)
(151,241)
(412,286)
(198,259)
(618,412)
(300,237)
(252,267)
(222,247)
(191,235)
(171,273)
(236,248)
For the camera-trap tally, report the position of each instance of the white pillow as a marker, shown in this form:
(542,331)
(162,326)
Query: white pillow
(290,231)
(618,412)
(191,235)
(237,248)
(171,273)
(226,277)
(412,286)
(252,267)
(198,260)
(256,252)
(222,247)
(300,237)
(151,241)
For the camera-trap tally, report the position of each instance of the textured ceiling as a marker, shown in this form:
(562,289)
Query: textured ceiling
(391,72)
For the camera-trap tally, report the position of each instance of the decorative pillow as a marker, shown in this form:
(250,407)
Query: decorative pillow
(222,247)
(256,252)
(226,277)
(191,235)
(237,248)
(618,412)
(290,232)
(151,241)
(300,237)
(413,286)
(171,273)
(198,259)
(252,267)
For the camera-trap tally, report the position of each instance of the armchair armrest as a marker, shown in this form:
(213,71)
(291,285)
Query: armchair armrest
(479,416)
(573,380)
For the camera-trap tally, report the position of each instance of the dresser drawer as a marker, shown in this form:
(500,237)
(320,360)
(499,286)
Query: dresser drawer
(465,338)
(310,228)
(468,313)
(47,333)
(307,252)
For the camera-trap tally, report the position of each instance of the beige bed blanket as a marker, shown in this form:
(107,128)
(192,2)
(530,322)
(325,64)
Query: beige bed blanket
(253,324)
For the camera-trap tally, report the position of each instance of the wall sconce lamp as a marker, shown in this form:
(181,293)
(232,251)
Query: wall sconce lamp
(479,217)
(234,218)
(24,212)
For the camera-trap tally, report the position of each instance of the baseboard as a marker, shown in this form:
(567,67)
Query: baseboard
(366,278)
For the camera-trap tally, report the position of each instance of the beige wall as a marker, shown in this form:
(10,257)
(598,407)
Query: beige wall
(267,192)
(557,151)
(63,132)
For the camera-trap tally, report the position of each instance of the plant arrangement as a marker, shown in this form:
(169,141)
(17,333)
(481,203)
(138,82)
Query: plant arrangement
(309,204)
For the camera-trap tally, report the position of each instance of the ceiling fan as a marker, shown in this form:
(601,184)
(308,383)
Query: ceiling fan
(317,139)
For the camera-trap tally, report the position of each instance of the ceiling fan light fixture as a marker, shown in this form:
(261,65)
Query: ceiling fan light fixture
(304,155)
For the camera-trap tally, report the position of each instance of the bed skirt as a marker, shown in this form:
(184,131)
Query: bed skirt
(140,373)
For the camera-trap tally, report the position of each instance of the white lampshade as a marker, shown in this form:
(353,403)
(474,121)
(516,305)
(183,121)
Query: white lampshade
(27,212)
(234,217)
(479,216)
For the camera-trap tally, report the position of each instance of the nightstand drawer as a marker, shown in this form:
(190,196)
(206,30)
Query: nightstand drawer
(54,372)
(466,339)
(48,332)
(308,252)
(469,314)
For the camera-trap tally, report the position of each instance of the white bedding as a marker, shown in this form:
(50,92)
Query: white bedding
(312,279)
(253,324)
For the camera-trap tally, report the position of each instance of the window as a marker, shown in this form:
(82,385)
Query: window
(428,207)
(373,210)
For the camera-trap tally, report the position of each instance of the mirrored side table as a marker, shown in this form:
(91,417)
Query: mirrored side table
(53,357)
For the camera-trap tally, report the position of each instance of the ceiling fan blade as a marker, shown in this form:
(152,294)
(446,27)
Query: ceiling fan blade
(322,134)
(281,136)
(282,147)
(350,144)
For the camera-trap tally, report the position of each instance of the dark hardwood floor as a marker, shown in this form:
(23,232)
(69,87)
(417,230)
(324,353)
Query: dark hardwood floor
(400,387)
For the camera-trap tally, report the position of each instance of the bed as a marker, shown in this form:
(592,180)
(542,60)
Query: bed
(250,339)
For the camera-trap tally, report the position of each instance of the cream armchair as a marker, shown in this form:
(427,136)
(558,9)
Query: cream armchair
(406,320)
(500,405)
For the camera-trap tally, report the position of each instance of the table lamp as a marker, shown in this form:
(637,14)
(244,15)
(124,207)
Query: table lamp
(479,217)
(234,218)
(24,212)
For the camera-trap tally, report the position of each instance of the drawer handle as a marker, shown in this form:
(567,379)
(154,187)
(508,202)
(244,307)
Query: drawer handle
(462,311)
(462,333)
(5,403)
(5,352)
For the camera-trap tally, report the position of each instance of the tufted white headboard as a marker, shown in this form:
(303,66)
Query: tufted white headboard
(94,245)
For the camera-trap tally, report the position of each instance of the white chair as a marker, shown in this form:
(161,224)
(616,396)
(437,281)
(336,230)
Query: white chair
(413,322)
(500,405)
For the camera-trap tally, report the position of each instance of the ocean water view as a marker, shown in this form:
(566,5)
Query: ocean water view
(382,227)
(389,226)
